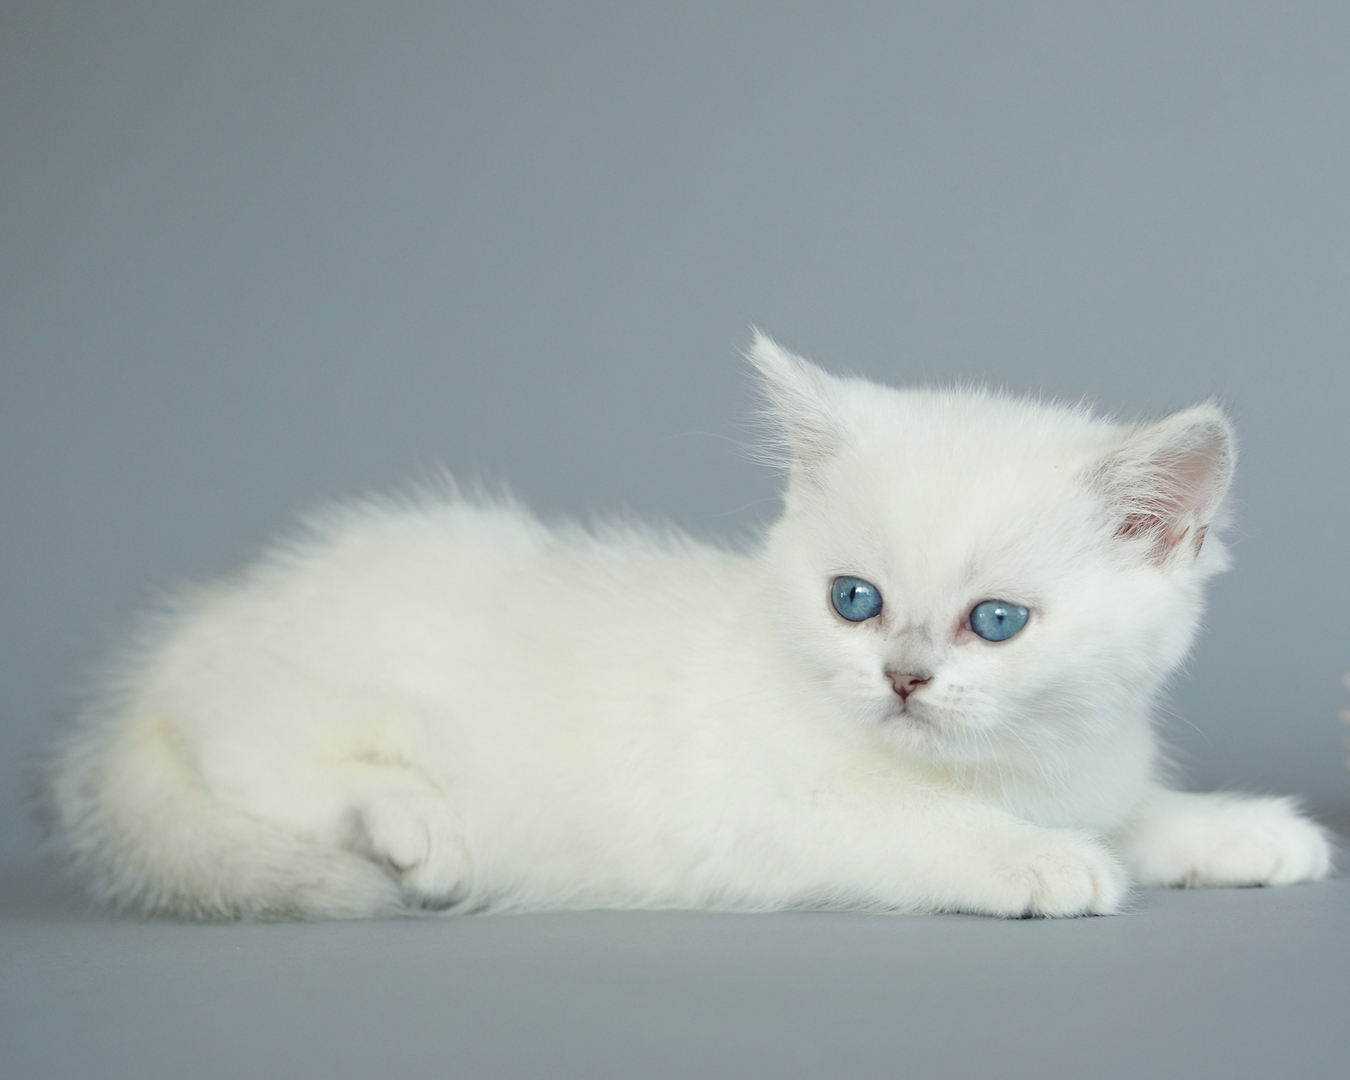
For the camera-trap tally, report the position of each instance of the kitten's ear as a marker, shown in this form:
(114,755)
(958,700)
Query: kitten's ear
(1168,480)
(801,400)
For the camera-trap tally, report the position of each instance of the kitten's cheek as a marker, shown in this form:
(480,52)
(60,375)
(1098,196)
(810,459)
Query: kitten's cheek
(862,684)
(981,722)
(971,715)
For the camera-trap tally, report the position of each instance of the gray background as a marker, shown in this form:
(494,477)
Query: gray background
(257,255)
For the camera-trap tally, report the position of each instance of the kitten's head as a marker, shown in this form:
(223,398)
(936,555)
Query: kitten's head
(973,572)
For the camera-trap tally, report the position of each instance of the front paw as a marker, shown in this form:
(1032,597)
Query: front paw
(1052,872)
(1220,840)
(415,836)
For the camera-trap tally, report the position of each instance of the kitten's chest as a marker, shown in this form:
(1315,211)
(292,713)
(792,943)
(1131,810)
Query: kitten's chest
(1095,785)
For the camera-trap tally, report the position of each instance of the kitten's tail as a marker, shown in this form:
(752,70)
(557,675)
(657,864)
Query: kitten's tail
(128,811)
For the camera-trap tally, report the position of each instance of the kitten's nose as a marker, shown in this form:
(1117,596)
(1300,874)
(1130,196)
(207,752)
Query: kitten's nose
(906,682)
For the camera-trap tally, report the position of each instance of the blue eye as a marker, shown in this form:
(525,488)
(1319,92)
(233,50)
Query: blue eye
(998,620)
(855,599)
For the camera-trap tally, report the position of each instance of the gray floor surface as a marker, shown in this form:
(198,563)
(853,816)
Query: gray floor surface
(1222,983)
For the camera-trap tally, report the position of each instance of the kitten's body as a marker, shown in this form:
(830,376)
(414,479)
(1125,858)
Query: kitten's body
(452,704)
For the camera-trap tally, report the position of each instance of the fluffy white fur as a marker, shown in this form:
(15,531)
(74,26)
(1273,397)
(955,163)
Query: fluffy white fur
(452,705)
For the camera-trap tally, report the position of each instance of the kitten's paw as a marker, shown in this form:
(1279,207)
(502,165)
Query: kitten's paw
(417,836)
(1185,840)
(1055,872)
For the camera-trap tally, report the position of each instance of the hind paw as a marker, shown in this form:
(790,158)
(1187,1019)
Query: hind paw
(1189,840)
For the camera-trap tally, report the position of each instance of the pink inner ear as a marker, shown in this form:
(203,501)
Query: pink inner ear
(1176,491)
(1168,532)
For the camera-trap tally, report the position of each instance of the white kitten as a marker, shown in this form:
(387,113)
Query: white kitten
(929,688)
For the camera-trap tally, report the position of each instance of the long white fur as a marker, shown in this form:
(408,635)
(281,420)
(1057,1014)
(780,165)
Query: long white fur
(451,705)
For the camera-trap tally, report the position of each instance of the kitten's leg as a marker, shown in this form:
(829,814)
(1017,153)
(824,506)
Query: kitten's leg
(1018,869)
(403,821)
(1181,839)
(933,851)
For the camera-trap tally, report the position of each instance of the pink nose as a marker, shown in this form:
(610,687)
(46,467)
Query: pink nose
(906,682)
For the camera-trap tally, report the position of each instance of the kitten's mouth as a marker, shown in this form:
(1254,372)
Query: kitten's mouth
(915,731)
(923,725)
(915,715)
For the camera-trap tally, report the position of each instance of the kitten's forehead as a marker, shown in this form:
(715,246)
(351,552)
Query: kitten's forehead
(973,439)
(940,484)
